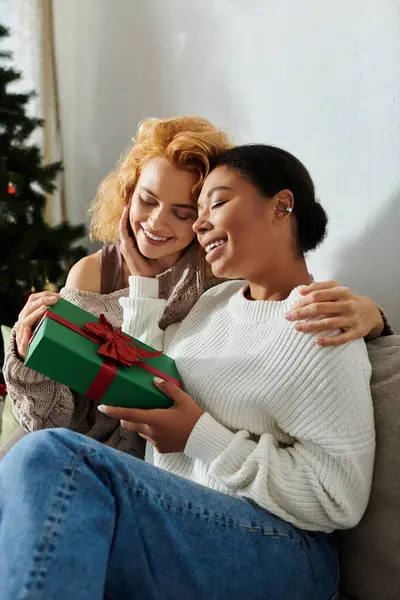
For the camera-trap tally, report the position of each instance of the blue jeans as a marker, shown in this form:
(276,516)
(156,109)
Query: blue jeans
(80,521)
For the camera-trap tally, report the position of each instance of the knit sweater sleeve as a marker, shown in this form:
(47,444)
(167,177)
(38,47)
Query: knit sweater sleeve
(323,478)
(39,402)
(142,312)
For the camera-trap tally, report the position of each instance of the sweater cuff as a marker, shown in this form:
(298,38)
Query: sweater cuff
(388,329)
(143,287)
(14,369)
(208,439)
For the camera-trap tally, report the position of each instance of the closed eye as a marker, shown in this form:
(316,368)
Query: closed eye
(217,204)
(184,213)
(185,217)
(148,201)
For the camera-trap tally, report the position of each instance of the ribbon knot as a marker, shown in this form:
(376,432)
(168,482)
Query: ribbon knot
(116,345)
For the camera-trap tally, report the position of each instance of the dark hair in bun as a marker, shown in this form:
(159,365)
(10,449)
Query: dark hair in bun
(271,170)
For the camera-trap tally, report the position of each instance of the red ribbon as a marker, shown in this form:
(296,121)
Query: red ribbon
(115,348)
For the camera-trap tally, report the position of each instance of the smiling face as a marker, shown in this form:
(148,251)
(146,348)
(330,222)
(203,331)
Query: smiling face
(241,230)
(163,210)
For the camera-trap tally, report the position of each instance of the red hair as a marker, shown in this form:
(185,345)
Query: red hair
(188,142)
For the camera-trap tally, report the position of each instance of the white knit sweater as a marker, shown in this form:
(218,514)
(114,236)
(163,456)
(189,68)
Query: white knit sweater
(288,424)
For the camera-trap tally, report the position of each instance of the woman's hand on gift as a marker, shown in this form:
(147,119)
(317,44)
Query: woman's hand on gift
(337,308)
(137,264)
(33,310)
(168,429)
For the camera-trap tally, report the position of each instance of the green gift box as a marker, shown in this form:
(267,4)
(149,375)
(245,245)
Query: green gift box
(88,355)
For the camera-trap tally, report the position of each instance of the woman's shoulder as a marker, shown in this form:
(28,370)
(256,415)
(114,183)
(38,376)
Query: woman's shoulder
(85,275)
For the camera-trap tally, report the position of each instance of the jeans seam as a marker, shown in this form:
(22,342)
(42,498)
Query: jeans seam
(198,513)
(55,518)
(207,516)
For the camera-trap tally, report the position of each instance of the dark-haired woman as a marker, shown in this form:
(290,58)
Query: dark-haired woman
(159,179)
(267,451)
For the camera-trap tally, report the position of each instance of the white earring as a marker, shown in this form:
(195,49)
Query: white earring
(289,209)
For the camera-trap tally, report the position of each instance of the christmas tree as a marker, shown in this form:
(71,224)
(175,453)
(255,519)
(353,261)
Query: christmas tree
(33,254)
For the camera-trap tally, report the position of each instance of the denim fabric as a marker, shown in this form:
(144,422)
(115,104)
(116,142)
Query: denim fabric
(80,521)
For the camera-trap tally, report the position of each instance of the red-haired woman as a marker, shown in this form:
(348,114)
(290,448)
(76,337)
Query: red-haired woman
(149,204)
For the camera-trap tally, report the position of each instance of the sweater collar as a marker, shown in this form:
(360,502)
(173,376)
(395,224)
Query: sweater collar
(258,311)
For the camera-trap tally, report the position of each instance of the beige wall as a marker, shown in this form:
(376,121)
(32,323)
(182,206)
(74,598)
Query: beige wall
(320,79)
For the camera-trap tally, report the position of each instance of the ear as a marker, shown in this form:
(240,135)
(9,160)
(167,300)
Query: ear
(283,202)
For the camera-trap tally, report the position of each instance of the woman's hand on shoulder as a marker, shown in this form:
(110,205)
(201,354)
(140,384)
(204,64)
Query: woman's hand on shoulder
(86,274)
(336,308)
(137,264)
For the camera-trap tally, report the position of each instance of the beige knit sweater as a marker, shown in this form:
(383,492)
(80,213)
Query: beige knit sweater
(40,403)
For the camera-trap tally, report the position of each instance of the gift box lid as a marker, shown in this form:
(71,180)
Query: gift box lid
(73,360)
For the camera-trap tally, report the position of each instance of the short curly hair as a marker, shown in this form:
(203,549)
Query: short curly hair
(188,142)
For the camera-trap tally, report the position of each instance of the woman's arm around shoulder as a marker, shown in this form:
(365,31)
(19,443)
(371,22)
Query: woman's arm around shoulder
(329,306)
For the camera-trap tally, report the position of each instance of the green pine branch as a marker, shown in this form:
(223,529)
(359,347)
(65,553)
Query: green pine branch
(30,249)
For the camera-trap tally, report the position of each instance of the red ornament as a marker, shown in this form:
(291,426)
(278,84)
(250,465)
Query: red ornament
(3,390)
(12,189)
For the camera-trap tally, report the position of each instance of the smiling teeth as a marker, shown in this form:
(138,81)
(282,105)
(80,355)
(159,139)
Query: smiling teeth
(215,245)
(156,238)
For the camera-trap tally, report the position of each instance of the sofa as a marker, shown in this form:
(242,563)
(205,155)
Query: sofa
(369,554)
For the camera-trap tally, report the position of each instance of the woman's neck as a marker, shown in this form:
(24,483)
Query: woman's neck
(278,284)
(166,262)
(159,265)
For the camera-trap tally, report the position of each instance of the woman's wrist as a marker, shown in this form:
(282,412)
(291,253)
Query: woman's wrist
(208,439)
(379,325)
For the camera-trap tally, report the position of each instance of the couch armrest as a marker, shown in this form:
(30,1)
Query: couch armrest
(16,436)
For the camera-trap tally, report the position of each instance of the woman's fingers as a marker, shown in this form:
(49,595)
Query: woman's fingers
(28,317)
(338,340)
(44,301)
(317,309)
(136,263)
(326,295)
(337,307)
(37,300)
(22,341)
(39,295)
(23,347)
(127,246)
(328,324)
(32,308)
(316,286)
(29,321)
(123,224)
(140,428)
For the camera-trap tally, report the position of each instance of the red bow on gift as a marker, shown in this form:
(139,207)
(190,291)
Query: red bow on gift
(117,346)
